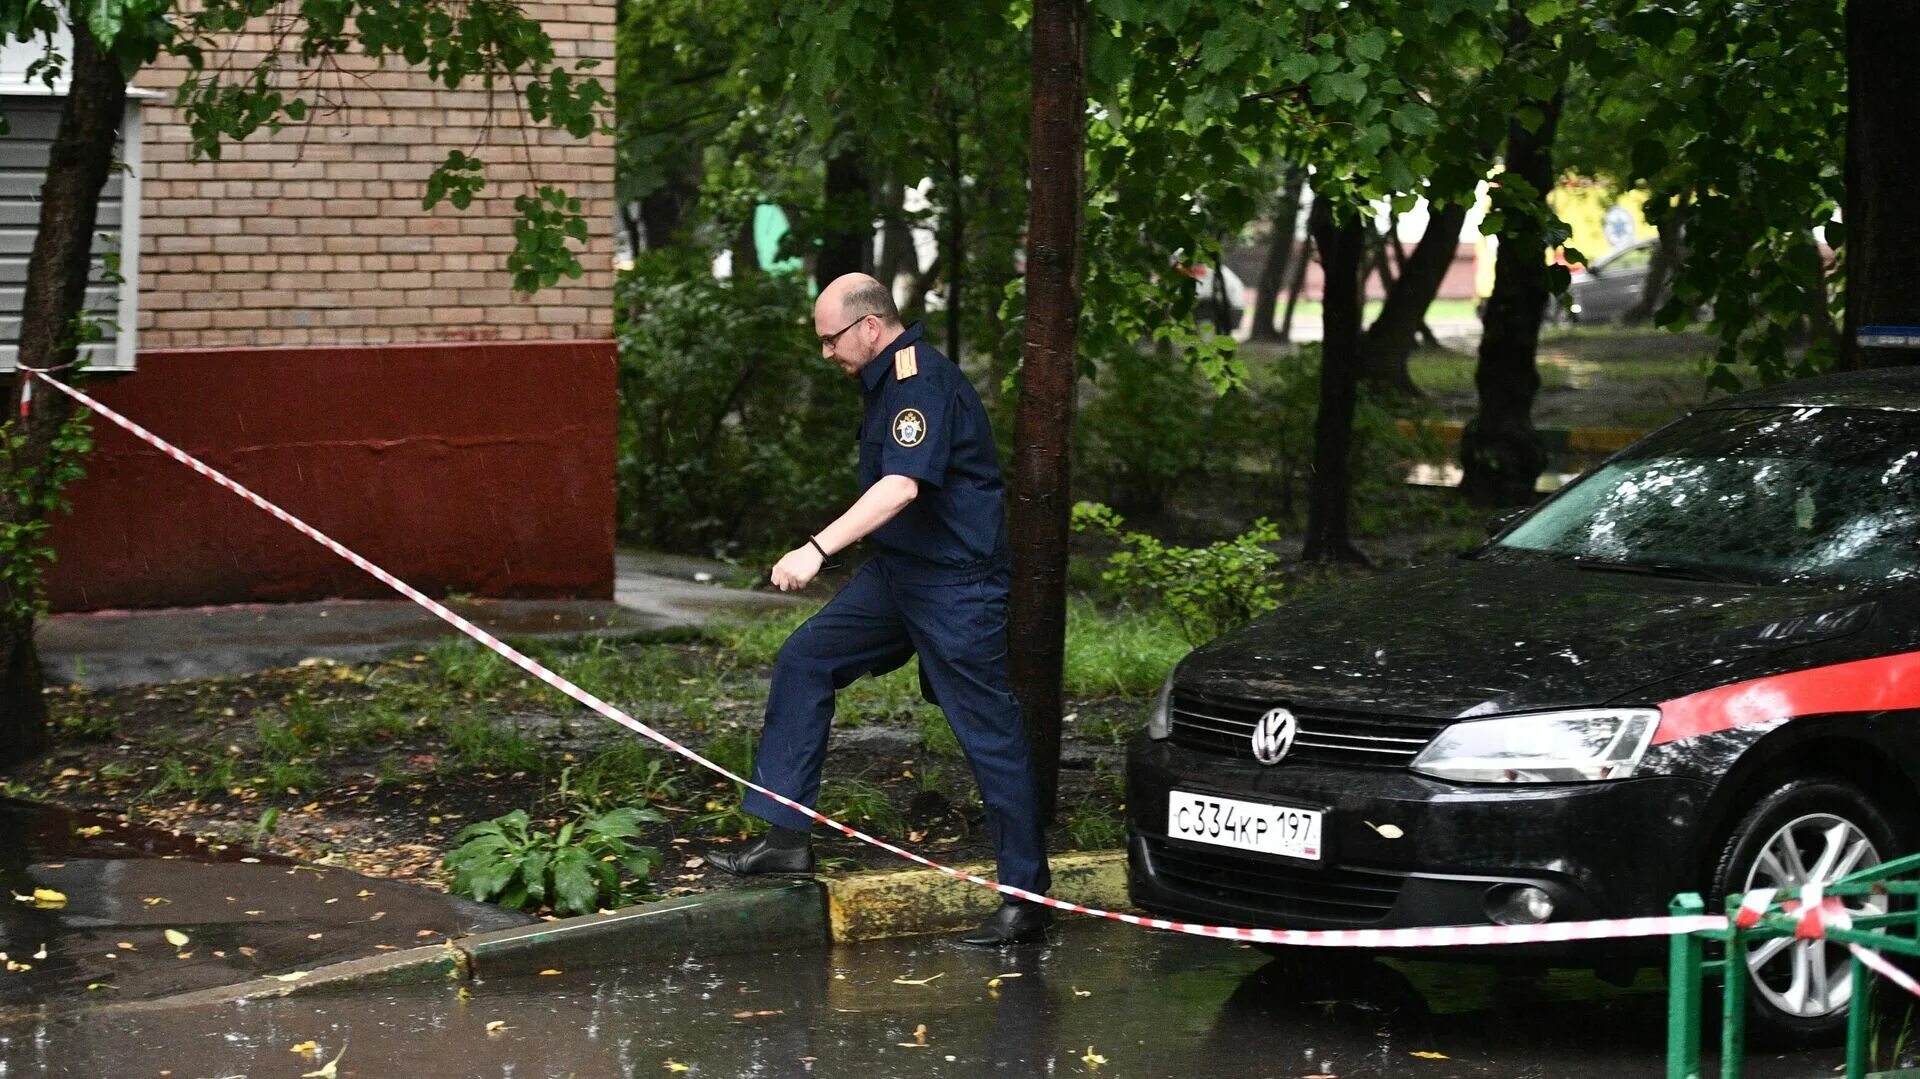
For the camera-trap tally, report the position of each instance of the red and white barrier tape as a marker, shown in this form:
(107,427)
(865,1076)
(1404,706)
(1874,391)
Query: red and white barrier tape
(1424,937)
(1878,963)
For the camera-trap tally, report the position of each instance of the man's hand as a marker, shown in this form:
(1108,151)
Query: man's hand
(796,568)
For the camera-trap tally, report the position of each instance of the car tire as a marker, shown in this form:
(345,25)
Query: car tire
(1805,829)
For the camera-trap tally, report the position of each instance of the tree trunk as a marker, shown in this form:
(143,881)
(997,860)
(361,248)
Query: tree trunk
(1501,454)
(1667,255)
(79,163)
(1343,246)
(1298,286)
(1273,272)
(846,243)
(1882,218)
(1428,338)
(896,240)
(1043,422)
(956,233)
(664,211)
(746,247)
(1391,338)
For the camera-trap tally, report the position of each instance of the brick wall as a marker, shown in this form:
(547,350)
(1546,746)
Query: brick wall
(316,236)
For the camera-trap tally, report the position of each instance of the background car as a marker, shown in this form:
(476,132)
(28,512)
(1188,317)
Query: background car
(1608,288)
(1697,668)
(1206,304)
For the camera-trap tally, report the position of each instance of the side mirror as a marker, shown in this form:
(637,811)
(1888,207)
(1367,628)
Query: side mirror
(1498,523)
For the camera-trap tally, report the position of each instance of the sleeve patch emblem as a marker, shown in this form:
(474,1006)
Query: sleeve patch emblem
(909,427)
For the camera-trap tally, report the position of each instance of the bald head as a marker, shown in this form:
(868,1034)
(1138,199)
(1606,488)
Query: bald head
(853,318)
(856,295)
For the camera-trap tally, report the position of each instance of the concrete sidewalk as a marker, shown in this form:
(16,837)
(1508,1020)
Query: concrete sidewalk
(652,594)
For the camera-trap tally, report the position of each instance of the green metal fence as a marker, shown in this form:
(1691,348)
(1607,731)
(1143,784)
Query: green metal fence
(1897,931)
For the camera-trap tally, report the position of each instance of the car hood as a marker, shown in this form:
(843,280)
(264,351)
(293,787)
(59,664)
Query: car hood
(1483,637)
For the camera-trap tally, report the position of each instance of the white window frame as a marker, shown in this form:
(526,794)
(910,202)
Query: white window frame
(14,59)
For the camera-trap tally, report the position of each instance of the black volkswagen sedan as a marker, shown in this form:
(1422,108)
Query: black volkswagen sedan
(1697,668)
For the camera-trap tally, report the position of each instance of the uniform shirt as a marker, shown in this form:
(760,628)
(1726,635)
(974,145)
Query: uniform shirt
(923,420)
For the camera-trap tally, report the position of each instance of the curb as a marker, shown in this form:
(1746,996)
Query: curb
(786,916)
(909,902)
(789,915)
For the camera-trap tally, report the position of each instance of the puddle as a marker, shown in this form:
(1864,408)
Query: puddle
(1103,999)
(234,914)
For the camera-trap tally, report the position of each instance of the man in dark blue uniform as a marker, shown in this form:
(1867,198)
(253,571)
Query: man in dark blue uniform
(936,587)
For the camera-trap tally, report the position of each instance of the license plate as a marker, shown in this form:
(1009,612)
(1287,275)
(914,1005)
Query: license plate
(1254,826)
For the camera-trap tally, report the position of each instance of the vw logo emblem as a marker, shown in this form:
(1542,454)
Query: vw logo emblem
(1273,736)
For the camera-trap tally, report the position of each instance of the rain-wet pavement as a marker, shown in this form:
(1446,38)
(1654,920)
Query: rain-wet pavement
(1101,999)
(237,914)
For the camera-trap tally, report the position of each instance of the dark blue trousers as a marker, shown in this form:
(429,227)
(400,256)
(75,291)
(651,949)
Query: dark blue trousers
(957,624)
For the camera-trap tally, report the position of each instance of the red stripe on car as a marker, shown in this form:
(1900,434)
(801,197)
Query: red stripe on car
(1864,685)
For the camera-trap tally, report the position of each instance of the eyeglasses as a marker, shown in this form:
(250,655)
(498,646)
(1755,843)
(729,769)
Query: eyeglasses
(833,338)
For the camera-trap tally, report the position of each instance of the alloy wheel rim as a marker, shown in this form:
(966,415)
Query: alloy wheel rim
(1809,978)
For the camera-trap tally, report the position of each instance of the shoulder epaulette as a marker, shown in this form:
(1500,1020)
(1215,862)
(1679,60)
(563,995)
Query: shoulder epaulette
(905,364)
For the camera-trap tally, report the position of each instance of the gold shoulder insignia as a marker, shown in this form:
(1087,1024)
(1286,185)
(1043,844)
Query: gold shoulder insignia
(905,364)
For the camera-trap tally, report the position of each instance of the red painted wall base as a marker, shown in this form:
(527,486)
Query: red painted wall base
(483,468)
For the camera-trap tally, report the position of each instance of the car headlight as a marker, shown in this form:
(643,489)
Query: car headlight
(1160,721)
(1550,747)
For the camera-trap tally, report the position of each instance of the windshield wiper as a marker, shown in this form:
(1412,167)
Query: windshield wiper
(1677,570)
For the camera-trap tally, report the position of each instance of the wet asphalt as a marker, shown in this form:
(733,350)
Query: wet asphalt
(133,913)
(1100,999)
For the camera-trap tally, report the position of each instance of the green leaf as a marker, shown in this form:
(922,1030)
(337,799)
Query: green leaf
(1297,67)
(1415,118)
(575,891)
(104,19)
(1371,45)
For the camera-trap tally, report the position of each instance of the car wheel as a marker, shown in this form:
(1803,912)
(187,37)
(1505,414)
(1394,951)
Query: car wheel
(1804,831)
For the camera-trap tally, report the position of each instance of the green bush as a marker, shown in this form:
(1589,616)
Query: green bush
(1265,429)
(576,871)
(734,433)
(1144,428)
(1208,590)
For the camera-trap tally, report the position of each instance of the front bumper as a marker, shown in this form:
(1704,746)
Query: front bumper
(1601,850)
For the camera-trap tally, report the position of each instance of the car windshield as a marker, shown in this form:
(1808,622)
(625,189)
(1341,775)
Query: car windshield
(1767,494)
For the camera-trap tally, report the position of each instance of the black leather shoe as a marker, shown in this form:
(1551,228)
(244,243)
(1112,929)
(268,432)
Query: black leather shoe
(762,859)
(1015,922)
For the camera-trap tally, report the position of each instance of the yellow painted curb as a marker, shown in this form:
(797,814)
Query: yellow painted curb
(905,902)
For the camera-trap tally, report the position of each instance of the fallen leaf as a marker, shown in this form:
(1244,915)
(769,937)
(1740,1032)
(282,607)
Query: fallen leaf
(42,953)
(675,1066)
(315,936)
(362,894)
(47,897)
(126,947)
(290,976)
(918,981)
(176,938)
(1431,1056)
(495,1027)
(1093,1059)
(329,1070)
(155,900)
(549,970)
(1386,831)
(91,831)
(310,1048)
(1083,992)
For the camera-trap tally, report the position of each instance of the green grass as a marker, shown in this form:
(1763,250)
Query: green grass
(1125,652)
(755,642)
(1438,311)
(486,744)
(629,773)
